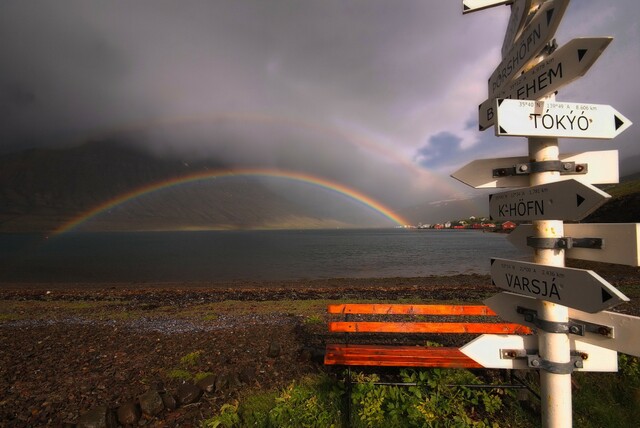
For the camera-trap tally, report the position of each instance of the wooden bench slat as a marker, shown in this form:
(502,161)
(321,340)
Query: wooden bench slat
(409,356)
(426,327)
(409,309)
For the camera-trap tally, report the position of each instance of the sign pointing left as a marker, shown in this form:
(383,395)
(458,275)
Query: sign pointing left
(491,350)
(476,5)
(576,288)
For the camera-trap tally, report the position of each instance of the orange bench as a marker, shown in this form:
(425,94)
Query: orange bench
(350,354)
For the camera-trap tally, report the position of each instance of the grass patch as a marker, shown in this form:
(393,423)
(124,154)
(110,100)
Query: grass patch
(190,359)
(201,375)
(179,374)
(608,400)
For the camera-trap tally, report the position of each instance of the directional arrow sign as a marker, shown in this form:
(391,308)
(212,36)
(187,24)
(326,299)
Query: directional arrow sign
(562,200)
(575,288)
(621,241)
(560,68)
(476,5)
(528,44)
(490,350)
(558,119)
(624,329)
(519,12)
(602,168)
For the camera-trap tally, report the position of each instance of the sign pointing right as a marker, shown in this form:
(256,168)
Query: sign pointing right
(576,288)
(558,119)
(562,67)
(562,200)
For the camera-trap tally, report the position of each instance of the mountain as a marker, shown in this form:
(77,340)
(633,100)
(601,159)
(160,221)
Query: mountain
(447,210)
(624,205)
(630,166)
(44,189)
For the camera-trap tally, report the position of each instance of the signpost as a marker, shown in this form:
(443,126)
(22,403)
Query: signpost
(562,200)
(558,119)
(551,199)
(596,168)
(558,69)
(610,330)
(529,43)
(620,242)
(499,351)
(574,288)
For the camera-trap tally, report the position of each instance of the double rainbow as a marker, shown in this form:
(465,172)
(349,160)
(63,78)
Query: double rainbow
(247,172)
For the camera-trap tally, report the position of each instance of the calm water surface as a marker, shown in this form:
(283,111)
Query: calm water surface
(248,255)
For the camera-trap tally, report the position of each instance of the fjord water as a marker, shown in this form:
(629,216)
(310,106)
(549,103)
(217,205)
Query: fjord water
(205,256)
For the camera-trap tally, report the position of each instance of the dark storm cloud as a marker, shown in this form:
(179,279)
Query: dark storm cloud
(346,89)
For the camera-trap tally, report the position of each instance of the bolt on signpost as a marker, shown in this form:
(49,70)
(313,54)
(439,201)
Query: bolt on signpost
(522,102)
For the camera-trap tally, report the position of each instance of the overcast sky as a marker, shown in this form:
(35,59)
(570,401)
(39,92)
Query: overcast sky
(379,95)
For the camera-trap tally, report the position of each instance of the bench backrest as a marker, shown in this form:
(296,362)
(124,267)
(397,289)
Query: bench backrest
(419,326)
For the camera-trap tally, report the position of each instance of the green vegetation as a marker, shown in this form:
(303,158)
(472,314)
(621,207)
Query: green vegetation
(623,189)
(432,402)
(183,370)
(439,398)
(190,359)
(179,374)
(608,400)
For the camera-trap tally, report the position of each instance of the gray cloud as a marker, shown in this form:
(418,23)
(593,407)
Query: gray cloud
(378,95)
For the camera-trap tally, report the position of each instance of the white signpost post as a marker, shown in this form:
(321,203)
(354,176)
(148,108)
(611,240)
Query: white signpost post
(562,200)
(558,119)
(575,288)
(551,199)
(513,171)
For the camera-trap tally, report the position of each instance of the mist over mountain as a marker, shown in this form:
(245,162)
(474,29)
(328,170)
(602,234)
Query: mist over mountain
(44,189)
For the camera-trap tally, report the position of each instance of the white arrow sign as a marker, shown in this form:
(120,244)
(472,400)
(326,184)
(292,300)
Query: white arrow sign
(529,43)
(560,68)
(575,288)
(562,200)
(602,168)
(493,351)
(624,329)
(558,119)
(519,12)
(476,5)
(621,241)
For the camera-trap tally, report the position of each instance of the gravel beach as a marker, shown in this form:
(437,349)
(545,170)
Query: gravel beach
(178,351)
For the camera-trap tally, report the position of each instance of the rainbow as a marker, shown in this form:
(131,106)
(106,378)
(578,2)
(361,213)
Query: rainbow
(245,172)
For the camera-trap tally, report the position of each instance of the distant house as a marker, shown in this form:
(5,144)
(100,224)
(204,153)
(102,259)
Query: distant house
(508,225)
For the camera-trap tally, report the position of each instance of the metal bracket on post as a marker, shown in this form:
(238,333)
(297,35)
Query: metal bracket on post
(564,168)
(577,327)
(535,362)
(565,243)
